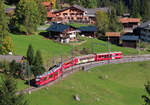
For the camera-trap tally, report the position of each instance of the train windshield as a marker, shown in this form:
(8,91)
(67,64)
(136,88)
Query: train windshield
(37,79)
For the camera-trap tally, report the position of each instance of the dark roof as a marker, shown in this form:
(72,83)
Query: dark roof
(58,27)
(88,28)
(10,58)
(145,25)
(130,37)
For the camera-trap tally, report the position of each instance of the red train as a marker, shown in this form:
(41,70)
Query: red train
(57,70)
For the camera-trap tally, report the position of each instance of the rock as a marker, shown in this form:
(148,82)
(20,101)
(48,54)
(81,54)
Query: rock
(72,87)
(106,76)
(97,99)
(76,97)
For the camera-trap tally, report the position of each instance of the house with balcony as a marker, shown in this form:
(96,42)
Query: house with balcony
(62,33)
(78,14)
(129,24)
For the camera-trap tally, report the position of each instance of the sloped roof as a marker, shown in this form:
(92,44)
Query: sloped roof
(88,28)
(46,3)
(58,27)
(10,58)
(113,34)
(129,20)
(90,12)
(130,37)
(144,25)
(50,14)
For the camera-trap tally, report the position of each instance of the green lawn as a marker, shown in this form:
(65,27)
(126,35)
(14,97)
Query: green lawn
(117,84)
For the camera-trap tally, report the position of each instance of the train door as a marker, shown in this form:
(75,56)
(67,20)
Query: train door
(113,56)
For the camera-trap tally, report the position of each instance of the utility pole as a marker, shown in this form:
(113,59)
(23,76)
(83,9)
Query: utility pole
(72,55)
(29,78)
(108,46)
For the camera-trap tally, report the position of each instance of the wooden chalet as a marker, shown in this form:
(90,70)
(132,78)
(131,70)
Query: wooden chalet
(88,31)
(129,24)
(62,33)
(113,37)
(77,14)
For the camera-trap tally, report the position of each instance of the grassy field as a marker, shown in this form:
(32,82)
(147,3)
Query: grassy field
(117,84)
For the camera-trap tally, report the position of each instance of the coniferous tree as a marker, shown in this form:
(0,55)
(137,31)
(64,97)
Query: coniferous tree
(8,91)
(5,40)
(89,3)
(145,10)
(120,9)
(30,54)
(37,67)
(135,9)
(114,25)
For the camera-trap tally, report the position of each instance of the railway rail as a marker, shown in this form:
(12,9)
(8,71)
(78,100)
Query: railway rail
(88,66)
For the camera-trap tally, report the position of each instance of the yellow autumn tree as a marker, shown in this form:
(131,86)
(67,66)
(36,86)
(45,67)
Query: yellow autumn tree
(7,45)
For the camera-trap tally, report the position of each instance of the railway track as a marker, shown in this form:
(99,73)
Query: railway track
(88,66)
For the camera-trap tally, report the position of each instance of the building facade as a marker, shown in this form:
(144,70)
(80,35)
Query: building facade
(129,24)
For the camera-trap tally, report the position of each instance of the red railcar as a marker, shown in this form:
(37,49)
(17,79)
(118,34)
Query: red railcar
(108,56)
(70,63)
(49,76)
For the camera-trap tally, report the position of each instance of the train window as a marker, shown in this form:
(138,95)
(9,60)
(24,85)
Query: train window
(56,73)
(117,54)
(51,76)
(45,78)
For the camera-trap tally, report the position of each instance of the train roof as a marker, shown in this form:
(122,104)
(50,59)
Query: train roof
(109,53)
(54,69)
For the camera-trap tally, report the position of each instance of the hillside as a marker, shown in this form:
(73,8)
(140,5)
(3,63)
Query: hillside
(49,47)
(117,84)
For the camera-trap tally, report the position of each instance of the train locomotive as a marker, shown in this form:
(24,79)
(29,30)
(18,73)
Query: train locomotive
(59,69)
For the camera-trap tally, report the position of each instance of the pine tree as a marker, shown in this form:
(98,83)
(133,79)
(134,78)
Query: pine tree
(30,54)
(89,3)
(120,9)
(145,10)
(26,17)
(135,9)
(114,25)
(5,40)
(8,93)
(37,67)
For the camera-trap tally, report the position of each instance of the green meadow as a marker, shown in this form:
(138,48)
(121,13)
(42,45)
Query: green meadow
(115,84)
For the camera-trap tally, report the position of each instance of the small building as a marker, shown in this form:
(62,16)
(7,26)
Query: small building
(62,33)
(113,37)
(129,24)
(144,31)
(50,16)
(88,31)
(129,41)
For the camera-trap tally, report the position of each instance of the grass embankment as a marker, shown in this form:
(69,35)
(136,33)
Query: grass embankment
(117,84)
